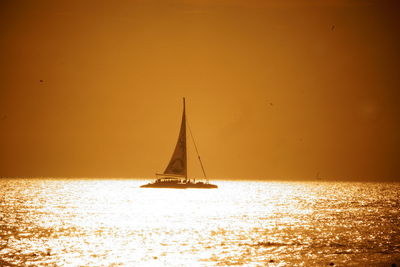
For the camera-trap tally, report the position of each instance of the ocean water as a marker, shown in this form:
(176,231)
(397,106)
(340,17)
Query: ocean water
(116,223)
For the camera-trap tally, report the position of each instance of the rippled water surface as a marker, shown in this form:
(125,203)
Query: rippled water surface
(114,222)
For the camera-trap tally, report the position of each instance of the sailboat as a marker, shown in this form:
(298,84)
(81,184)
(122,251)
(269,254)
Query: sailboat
(175,175)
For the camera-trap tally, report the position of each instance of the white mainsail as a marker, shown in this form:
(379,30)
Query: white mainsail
(177,165)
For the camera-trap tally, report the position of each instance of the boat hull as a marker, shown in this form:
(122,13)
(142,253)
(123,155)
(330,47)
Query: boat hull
(180,185)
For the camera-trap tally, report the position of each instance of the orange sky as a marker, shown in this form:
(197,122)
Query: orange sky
(275,89)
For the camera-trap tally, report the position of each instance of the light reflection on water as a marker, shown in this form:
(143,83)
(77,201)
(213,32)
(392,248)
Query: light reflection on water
(114,222)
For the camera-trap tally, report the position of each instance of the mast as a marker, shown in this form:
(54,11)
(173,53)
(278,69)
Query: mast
(184,122)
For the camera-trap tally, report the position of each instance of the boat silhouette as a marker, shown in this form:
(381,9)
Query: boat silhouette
(175,175)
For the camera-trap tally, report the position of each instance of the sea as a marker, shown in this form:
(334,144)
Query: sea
(114,222)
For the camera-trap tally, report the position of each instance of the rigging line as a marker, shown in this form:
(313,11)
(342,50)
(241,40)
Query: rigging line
(197,151)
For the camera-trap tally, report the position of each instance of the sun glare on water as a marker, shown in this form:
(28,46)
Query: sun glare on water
(114,222)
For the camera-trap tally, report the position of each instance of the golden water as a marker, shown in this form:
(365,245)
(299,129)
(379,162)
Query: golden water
(114,222)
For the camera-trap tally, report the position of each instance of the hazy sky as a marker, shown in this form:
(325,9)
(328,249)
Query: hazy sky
(275,89)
